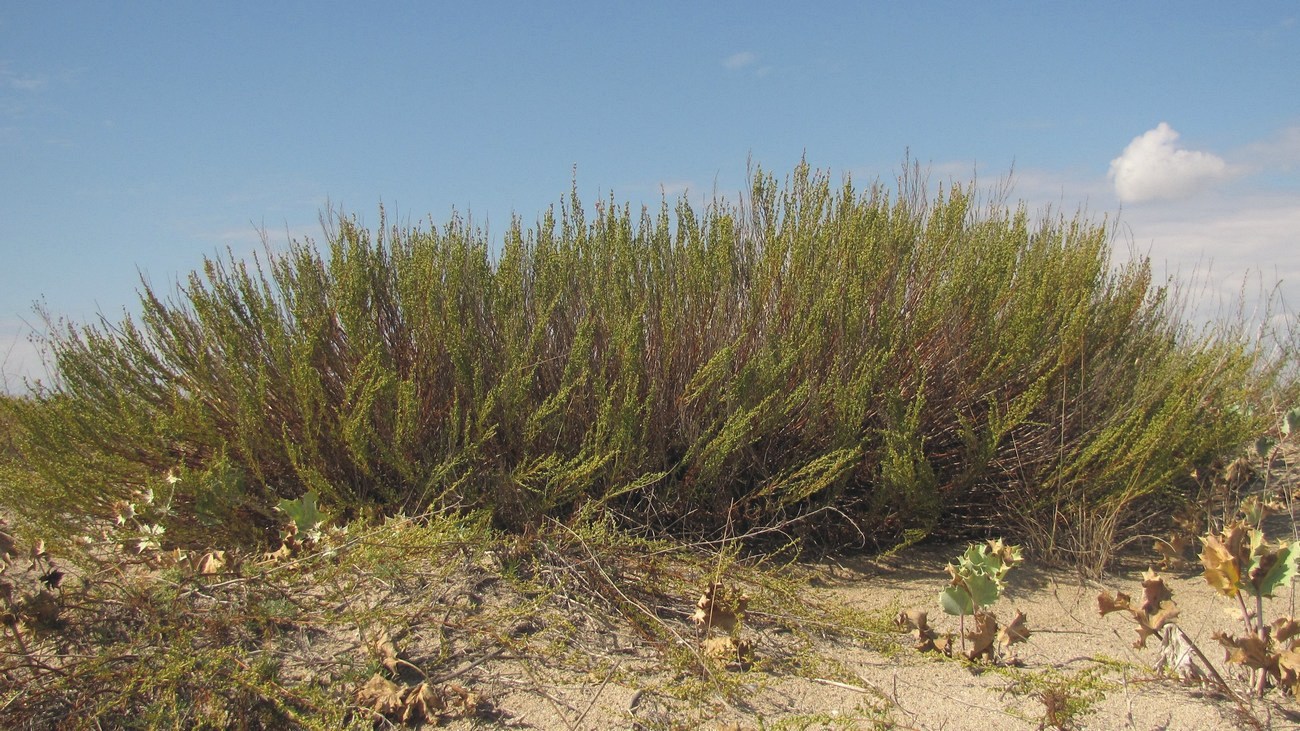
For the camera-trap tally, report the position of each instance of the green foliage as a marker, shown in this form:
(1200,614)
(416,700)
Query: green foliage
(924,365)
(304,513)
(977,577)
(1066,697)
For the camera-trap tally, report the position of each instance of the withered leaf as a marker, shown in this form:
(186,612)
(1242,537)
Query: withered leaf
(1238,472)
(1250,651)
(1107,604)
(917,622)
(1172,550)
(1015,631)
(212,562)
(715,609)
(280,554)
(1284,628)
(1150,624)
(382,696)
(1154,592)
(467,702)
(423,703)
(1288,663)
(729,651)
(387,651)
(982,635)
(1222,569)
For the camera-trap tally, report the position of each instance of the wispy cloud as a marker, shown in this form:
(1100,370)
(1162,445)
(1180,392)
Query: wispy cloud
(10,79)
(674,188)
(1155,167)
(1279,152)
(1234,249)
(737,61)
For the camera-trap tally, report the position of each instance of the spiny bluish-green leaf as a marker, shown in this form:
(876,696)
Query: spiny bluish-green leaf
(983,589)
(956,601)
(1278,570)
(303,512)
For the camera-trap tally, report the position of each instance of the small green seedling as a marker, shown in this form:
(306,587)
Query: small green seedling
(976,584)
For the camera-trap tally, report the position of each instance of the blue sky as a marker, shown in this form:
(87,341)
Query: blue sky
(139,137)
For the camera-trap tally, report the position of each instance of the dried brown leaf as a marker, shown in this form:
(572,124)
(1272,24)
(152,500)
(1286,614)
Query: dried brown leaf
(1107,603)
(1288,665)
(284,552)
(382,696)
(982,635)
(461,701)
(387,651)
(1251,651)
(1172,550)
(917,622)
(1284,628)
(1015,631)
(423,703)
(212,562)
(1222,569)
(1154,592)
(716,609)
(729,651)
(1151,624)
(1238,473)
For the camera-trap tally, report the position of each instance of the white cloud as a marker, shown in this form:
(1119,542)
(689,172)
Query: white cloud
(1154,167)
(1236,251)
(740,60)
(1233,248)
(1280,152)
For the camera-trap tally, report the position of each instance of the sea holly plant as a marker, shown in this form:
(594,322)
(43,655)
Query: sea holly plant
(1240,564)
(304,525)
(977,582)
(977,577)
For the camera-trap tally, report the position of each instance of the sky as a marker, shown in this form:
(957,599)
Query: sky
(136,138)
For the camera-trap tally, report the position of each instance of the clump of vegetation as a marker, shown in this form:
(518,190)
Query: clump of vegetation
(906,364)
(977,582)
(1067,698)
(409,622)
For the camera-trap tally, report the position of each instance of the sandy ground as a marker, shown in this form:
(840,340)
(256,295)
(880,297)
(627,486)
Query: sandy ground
(906,689)
(1069,635)
(864,684)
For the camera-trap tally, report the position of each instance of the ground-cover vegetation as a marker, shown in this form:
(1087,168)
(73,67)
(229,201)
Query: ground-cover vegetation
(408,621)
(905,364)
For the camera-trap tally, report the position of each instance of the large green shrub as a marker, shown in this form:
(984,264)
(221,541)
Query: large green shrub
(919,364)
